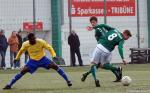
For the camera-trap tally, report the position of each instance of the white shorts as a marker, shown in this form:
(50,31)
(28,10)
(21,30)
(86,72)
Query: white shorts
(101,55)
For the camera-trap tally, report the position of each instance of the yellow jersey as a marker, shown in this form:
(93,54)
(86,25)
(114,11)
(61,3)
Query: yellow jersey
(36,51)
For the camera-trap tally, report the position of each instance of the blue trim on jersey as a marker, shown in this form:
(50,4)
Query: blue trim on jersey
(34,64)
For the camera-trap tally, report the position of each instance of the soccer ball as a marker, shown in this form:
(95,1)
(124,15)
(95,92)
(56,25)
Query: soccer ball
(126,80)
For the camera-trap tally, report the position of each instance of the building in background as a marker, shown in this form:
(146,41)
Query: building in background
(121,14)
(16,14)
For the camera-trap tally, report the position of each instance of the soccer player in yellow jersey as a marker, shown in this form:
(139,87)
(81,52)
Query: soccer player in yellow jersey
(35,47)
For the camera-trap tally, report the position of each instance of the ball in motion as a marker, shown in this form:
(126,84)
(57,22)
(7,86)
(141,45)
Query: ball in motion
(126,80)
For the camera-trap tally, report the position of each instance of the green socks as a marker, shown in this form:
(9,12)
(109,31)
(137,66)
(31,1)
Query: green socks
(108,66)
(87,73)
(93,71)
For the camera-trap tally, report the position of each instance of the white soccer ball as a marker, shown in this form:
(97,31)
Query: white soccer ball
(126,80)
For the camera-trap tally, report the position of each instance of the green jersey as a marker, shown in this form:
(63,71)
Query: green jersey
(100,30)
(111,39)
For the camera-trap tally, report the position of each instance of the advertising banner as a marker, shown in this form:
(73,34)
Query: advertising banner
(83,8)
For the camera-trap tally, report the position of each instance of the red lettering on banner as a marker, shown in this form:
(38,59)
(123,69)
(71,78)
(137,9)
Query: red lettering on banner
(96,7)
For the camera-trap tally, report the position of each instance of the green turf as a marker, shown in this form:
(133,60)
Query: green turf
(50,82)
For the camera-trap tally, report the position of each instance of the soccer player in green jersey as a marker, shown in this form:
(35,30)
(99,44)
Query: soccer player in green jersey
(100,29)
(107,38)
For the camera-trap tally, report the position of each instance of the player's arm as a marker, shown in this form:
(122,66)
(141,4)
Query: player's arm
(22,50)
(98,35)
(120,49)
(49,48)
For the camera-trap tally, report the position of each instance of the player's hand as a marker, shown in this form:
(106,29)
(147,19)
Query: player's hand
(89,28)
(124,62)
(15,61)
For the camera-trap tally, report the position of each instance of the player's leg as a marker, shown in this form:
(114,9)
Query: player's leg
(94,62)
(116,70)
(31,67)
(119,72)
(46,63)
(16,77)
(61,72)
(93,71)
(84,76)
(106,65)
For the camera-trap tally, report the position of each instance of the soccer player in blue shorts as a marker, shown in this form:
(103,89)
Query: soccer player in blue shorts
(35,48)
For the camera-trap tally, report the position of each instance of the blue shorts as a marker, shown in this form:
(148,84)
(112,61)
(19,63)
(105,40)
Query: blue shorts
(34,64)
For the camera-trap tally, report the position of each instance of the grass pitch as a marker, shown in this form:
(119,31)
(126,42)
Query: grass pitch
(44,81)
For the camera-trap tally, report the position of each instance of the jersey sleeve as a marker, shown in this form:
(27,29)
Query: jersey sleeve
(120,49)
(49,48)
(98,35)
(22,50)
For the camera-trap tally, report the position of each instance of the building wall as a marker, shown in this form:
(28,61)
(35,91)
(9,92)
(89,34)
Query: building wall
(14,12)
(87,38)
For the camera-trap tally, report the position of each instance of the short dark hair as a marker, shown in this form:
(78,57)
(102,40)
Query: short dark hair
(128,33)
(93,18)
(31,35)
